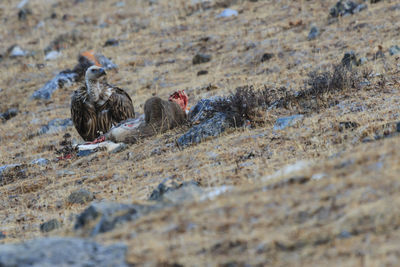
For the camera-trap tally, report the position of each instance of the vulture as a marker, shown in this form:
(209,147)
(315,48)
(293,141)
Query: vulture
(159,116)
(97,105)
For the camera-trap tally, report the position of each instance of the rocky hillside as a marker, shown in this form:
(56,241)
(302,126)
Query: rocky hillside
(308,177)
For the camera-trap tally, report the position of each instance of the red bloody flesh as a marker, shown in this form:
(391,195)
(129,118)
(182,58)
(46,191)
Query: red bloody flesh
(97,140)
(181,98)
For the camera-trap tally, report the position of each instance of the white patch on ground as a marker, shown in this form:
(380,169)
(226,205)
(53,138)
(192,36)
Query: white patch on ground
(214,192)
(289,170)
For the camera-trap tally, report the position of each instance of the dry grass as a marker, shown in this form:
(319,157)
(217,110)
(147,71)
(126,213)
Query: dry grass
(343,211)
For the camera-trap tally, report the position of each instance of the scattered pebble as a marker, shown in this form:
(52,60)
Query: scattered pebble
(10,113)
(52,55)
(16,51)
(50,226)
(228,13)
(313,34)
(111,42)
(200,58)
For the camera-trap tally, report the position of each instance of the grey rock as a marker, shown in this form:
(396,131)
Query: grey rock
(209,128)
(80,196)
(52,55)
(50,226)
(282,123)
(345,8)
(102,217)
(204,109)
(313,34)
(394,50)
(63,79)
(201,58)
(267,57)
(40,161)
(10,113)
(168,187)
(362,61)
(17,51)
(111,42)
(55,126)
(59,251)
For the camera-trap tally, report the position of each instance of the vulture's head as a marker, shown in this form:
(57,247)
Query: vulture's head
(93,73)
(181,98)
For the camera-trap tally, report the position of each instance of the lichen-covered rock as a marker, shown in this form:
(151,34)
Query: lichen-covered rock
(211,127)
(104,216)
(58,251)
(204,109)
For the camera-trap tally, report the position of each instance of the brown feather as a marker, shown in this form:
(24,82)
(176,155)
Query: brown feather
(91,119)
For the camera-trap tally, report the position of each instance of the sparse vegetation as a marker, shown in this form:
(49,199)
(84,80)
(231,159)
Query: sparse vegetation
(321,191)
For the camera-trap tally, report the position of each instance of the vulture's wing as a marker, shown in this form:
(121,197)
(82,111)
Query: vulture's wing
(121,106)
(83,115)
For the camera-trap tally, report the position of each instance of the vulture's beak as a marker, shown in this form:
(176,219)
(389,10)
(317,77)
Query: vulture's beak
(102,72)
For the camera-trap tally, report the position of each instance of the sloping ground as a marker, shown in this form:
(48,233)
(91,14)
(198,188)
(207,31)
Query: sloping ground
(336,204)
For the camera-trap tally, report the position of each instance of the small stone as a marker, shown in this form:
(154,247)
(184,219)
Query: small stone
(80,196)
(282,123)
(10,113)
(200,58)
(52,55)
(227,13)
(362,61)
(313,34)
(23,14)
(202,72)
(50,226)
(394,50)
(374,1)
(266,57)
(16,51)
(111,42)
